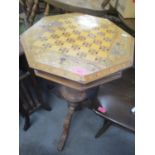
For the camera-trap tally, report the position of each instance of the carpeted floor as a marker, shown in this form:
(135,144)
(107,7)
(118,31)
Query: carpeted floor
(43,136)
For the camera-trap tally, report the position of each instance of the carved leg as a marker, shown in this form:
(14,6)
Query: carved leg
(105,126)
(47,9)
(75,98)
(66,126)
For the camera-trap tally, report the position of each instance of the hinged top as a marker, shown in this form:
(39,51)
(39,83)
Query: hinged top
(78,47)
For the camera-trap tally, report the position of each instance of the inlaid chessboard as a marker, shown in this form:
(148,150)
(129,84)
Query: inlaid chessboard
(78,47)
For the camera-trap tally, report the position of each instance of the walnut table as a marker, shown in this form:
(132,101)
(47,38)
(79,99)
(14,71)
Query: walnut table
(80,52)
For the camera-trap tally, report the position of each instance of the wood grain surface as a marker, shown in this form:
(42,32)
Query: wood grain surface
(78,47)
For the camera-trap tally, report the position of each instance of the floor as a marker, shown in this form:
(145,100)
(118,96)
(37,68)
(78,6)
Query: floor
(42,137)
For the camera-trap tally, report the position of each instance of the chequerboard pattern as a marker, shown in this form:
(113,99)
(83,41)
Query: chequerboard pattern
(78,47)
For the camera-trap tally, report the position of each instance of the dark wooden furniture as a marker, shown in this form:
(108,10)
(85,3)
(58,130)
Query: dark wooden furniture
(118,99)
(27,102)
(28,85)
(30,96)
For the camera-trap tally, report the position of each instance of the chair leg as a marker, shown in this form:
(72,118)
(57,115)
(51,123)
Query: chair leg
(26,95)
(29,5)
(33,13)
(24,113)
(47,9)
(105,126)
(38,92)
(23,6)
(30,94)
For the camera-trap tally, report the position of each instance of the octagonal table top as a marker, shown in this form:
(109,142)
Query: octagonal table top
(77,47)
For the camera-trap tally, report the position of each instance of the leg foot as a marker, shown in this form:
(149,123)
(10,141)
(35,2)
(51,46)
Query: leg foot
(66,127)
(105,126)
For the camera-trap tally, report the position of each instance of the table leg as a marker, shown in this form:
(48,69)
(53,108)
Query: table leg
(105,126)
(67,122)
(76,100)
